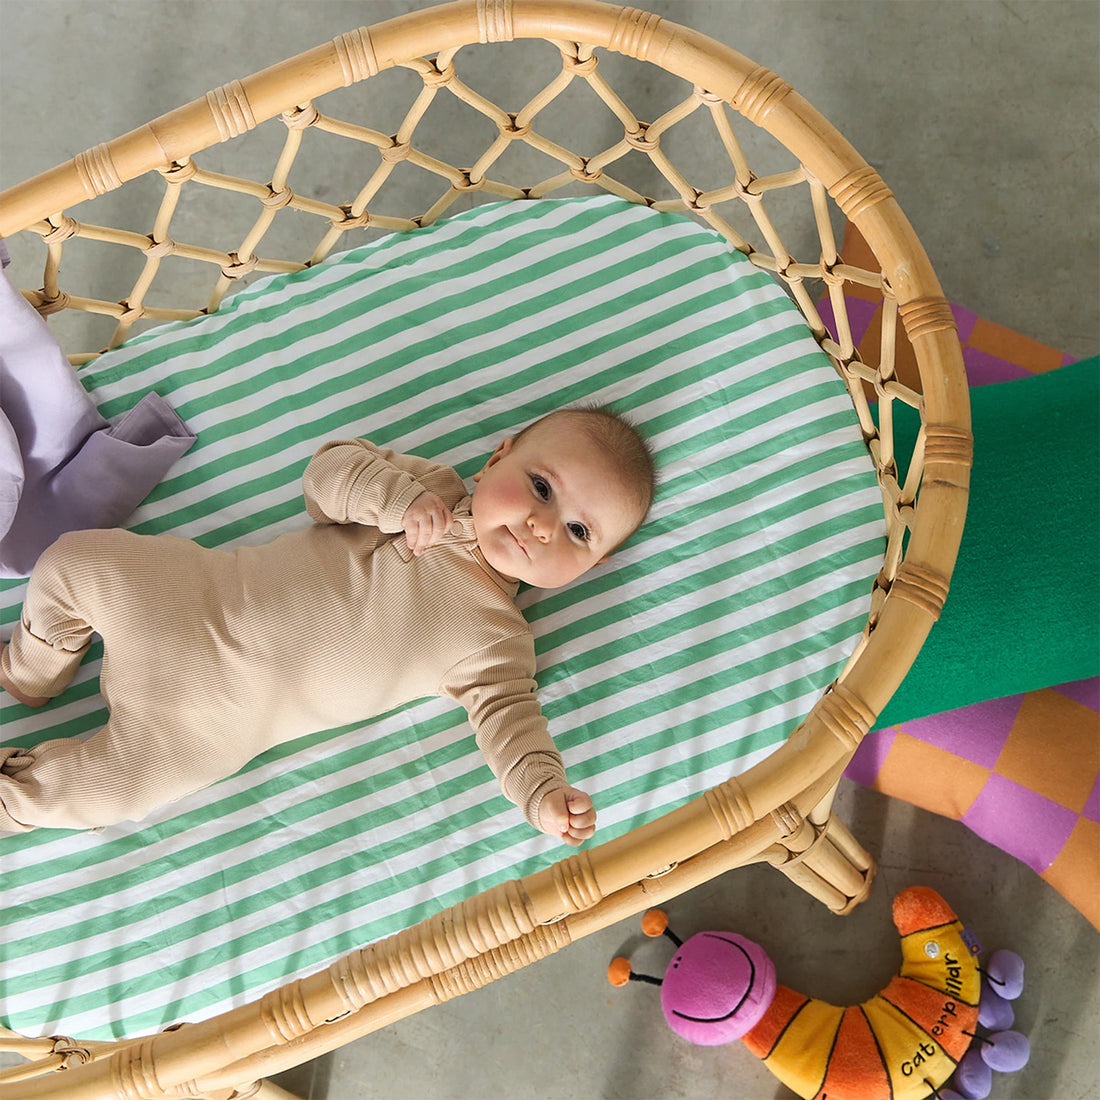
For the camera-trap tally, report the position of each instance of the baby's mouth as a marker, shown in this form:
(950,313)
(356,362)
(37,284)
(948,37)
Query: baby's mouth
(519,542)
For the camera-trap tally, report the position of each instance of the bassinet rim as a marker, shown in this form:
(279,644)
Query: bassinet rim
(821,745)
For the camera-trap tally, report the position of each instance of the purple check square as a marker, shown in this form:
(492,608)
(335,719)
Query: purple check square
(1092,804)
(965,320)
(977,733)
(1085,692)
(983,368)
(860,315)
(1025,824)
(870,756)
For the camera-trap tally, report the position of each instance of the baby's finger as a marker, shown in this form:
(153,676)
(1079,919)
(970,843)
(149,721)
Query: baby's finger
(553,819)
(438,524)
(443,524)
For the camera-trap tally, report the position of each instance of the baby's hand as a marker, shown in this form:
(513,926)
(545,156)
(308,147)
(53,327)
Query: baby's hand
(569,814)
(425,522)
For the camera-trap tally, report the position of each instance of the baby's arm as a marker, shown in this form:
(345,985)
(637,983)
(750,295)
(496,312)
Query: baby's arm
(352,481)
(497,688)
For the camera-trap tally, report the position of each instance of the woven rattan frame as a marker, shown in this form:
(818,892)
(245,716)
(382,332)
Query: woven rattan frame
(780,811)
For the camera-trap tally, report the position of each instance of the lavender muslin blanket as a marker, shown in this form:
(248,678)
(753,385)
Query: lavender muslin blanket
(62,466)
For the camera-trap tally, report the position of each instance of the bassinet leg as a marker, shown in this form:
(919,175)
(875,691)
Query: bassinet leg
(819,854)
(269,1091)
(258,1090)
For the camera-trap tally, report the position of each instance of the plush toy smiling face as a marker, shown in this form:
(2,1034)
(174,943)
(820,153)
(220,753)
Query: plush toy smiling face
(717,987)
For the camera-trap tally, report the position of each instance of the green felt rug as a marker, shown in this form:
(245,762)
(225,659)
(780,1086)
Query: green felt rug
(1023,612)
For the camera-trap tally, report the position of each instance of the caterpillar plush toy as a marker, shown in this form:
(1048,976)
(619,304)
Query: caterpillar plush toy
(902,1044)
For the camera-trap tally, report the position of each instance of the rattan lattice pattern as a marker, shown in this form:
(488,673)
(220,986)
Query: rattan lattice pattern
(745,192)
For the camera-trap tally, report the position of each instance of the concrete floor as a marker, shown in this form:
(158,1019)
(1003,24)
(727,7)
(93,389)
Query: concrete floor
(982,117)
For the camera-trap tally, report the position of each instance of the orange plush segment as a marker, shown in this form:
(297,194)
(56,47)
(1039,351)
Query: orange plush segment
(941,1015)
(855,1071)
(801,1056)
(763,1037)
(920,907)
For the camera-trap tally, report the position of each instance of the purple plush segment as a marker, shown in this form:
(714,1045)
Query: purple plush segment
(1006,1052)
(1025,824)
(973,1079)
(1005,969)
(977,733)
(994,1012)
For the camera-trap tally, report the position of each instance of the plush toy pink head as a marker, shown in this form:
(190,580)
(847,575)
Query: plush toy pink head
(717,987)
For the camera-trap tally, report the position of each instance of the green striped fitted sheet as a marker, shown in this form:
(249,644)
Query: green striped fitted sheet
(685,660)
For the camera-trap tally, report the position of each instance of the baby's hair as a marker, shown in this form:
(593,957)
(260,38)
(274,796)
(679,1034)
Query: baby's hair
(617,436)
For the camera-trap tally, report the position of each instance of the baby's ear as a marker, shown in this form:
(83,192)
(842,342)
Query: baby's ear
(502,449)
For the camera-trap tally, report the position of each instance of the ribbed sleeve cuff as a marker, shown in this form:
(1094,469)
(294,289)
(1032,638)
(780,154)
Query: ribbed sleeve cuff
(536,780)
(38,668)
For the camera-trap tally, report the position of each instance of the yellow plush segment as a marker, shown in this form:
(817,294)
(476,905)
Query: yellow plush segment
(801,1056)
(911,1056)
(939,958)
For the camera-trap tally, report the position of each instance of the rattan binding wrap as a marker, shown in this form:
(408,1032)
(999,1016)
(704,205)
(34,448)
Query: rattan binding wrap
(780,811)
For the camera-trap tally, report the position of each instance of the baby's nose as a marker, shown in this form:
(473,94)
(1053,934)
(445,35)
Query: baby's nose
(541,524)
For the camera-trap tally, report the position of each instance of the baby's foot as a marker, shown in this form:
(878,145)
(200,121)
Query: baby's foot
(13,691)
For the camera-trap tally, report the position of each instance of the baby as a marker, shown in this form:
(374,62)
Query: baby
(211,657)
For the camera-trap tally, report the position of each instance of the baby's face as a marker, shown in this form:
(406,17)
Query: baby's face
(548,508)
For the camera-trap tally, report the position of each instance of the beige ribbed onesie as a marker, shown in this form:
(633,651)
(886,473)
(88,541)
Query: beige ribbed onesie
(211,657)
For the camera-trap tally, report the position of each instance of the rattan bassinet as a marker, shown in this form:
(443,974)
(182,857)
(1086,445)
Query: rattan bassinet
(779,811)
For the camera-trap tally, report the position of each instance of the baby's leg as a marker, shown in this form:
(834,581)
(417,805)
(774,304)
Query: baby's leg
(12,690)
(123,773)
(52,635)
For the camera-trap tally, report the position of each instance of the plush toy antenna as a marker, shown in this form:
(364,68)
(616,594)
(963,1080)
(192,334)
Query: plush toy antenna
(655,923)
(619,973)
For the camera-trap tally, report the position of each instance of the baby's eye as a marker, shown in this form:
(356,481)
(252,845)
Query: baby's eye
(579,531)
(541,487)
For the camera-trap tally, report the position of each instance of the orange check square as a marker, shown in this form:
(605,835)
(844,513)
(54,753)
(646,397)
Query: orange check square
(1053,748)
(929,777)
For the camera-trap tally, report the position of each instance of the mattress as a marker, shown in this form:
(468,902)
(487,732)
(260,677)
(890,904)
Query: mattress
(685,660)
